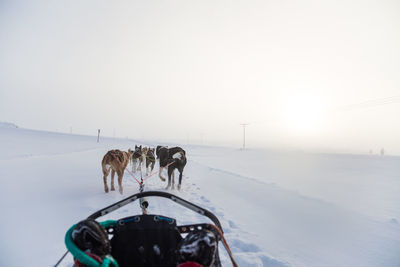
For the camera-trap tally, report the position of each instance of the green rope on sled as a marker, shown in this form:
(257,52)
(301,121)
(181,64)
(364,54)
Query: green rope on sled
(82,256)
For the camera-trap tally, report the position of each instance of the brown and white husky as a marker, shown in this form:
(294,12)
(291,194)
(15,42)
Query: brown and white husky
(116,162)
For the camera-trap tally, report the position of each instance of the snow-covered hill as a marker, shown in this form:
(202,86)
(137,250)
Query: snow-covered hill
(277,208)
(7,125)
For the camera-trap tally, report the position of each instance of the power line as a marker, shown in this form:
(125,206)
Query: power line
(370,103)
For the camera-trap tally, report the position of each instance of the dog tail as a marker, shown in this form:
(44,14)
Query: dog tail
(179,155)
(180,158)
(104,166)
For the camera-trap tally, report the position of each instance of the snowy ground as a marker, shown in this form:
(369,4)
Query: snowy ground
(277,208)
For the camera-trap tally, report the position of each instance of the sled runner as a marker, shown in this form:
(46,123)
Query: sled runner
(146,240)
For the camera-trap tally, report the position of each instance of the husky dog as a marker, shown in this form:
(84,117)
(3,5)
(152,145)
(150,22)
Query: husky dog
(137,158)
(116,161)
(150,160)
(158,150)
(176,157)
(144,150)
(162,156)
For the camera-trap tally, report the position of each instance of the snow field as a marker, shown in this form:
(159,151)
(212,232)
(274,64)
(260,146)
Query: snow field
(276,208)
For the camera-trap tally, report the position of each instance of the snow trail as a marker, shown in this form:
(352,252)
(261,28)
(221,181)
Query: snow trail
(52,181)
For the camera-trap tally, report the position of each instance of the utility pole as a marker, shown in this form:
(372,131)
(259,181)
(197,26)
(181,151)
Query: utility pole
(202,138)
(244,134)
(98,135)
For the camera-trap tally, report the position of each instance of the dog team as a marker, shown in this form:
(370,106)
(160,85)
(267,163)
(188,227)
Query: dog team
(116,161)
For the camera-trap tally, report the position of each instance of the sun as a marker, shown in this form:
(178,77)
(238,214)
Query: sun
(303,114)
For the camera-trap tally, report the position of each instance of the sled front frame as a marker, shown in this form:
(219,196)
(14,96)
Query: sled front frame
(172,197)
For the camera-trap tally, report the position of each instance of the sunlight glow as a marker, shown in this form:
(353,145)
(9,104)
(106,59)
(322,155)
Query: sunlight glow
(303,114)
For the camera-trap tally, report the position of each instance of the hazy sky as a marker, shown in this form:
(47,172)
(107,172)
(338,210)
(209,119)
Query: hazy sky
(192,70)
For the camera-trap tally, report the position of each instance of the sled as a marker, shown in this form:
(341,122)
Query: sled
(146,239)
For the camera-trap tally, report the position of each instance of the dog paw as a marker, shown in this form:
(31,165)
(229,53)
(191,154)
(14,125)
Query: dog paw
(106,189)
(112,189)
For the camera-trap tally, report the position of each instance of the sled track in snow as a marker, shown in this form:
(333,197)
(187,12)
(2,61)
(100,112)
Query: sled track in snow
(245,253)
(257,181)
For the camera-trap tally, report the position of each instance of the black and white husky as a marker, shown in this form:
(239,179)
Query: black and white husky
(137,158)
(150,160)
(176,158)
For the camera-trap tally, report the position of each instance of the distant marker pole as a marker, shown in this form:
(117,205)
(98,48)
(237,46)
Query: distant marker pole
(98,135)
(244,134)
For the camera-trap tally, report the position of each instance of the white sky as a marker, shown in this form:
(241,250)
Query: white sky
(192,70)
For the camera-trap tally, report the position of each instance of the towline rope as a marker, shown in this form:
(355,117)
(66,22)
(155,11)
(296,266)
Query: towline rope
(143,202)
(148,176)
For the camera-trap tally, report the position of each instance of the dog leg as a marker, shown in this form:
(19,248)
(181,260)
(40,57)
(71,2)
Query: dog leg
(173,179)
(180,180)
(120,174)
(106,171)
(160,175)
(169,179)
(170,173)
(105,182)
(112,180)
(169,183)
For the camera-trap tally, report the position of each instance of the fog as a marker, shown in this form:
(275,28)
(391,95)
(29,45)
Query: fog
(310,75)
